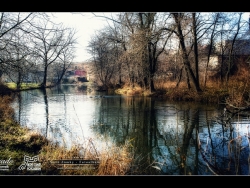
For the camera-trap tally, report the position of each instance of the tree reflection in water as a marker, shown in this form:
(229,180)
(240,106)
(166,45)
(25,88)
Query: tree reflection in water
(164,135)
(227,146)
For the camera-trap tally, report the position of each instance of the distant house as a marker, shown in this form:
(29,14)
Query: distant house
(238,56)
(240,53)
(241,47)
(76,73)
(80,73)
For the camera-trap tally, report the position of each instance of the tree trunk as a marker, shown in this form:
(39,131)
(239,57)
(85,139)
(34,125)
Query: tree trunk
(188,80)
(60,77)
(195,47)
(18,85)
(43,85)
(179,77)
(186,61)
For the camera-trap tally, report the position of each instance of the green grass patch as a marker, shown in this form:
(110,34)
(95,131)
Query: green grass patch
(13,85)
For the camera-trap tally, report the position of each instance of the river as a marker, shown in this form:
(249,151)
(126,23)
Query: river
(178,138)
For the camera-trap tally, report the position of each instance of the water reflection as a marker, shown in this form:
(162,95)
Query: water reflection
(164,136)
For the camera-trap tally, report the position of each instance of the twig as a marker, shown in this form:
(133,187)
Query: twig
(78,120)
(211,169)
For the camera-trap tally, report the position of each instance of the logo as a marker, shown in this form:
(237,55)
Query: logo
(30,163)
(4,164)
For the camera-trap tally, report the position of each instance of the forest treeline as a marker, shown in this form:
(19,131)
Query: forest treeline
(136,49)
(145,49)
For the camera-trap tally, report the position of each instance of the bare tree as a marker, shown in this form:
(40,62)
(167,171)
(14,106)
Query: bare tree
(20,58)
(178,18)
(50,41)
(104,54)
(65,60)
(144,41)
(10,23)
(211,42)
(232,42)
(142,37)
(231,28)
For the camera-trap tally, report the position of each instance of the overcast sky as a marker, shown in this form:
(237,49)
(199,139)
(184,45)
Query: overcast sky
(86,24)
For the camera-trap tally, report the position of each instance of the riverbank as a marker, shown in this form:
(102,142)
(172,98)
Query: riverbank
(212,93)
(17,141)
(4,90)
(179,94)
(19,144)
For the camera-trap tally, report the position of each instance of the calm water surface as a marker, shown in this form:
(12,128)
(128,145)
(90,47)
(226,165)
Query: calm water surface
(163,134)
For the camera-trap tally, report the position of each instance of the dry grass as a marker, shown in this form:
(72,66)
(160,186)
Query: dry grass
(237,99)
(6,111)
(52,152)
(214,92)
(163,85)
(133,91)
(112,160)
(115,160)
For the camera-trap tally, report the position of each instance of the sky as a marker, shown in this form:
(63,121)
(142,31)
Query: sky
(86,24)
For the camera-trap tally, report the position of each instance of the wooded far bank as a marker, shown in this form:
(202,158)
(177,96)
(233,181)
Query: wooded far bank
(181,56)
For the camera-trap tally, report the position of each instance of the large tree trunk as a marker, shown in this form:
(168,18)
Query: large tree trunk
(44,83)
(60,78)
(152,68)
(179,77)
(188,80)
(195,47)
(186,61)
(18,84)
